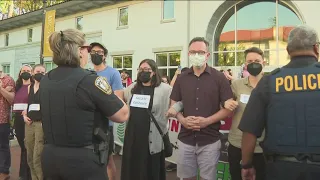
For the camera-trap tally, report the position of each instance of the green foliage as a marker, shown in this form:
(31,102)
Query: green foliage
(228,58)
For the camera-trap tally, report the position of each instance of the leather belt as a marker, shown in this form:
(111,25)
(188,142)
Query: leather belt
(293,159)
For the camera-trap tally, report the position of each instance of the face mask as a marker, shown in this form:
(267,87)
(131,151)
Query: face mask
(38,77)
(25,75)
(197,60)
(254,68)
(144,77)
(96,59)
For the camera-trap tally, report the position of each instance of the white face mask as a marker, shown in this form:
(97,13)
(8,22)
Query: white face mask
(197,60)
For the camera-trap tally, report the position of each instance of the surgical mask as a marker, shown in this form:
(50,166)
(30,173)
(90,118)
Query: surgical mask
(197,60)
(96,59)
(25,75)
(254,68)
(144,76)
(38,77)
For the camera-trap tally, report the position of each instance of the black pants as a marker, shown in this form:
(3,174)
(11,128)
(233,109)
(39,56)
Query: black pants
(284,170)
(234,158)
(5,158)
(19,126)
(65,163)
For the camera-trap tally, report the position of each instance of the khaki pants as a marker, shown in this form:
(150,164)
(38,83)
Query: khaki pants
(34,144)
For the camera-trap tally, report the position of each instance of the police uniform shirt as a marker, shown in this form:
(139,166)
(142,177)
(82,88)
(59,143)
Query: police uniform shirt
(254,117)
(92,92)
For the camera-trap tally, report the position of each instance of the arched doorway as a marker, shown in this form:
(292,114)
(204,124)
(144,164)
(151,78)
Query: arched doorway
(236,26)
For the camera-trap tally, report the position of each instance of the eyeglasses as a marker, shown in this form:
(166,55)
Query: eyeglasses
(97,52)
(197,52)
(86,47)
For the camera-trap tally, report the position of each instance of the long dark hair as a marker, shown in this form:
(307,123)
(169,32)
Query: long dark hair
(19,81)
(156,78)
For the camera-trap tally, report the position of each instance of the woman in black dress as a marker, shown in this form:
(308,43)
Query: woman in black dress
(143,156)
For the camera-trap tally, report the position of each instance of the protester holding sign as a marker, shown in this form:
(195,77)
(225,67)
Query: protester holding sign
(143,151)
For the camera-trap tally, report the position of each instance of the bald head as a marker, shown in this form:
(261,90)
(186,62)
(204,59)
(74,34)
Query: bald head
(303,39)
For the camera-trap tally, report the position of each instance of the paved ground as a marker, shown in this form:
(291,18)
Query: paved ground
(15,160)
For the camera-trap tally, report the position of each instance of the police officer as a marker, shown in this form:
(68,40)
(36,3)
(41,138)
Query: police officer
(71,99)
(286,103)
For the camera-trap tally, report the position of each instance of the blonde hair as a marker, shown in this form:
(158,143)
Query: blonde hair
(65,46)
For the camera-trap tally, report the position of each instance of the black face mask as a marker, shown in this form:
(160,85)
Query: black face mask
(96,59)
(144,77)
(38,77)
(25,75)
(254,69)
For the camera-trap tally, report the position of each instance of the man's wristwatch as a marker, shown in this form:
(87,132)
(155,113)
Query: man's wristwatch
(246,166)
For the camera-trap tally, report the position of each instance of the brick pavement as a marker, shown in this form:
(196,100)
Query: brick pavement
(15,160)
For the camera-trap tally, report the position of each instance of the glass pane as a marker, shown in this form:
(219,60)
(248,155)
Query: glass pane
(79,23)
(163,72)
(255,28)
(174,59)
(30,31)
(172,72)
(48,66)
(225,58)
(271,57)
(117,62)
(226,41)
(284,57)
(241,59)
(127,62)
(287,21)
(123,17)
(168,9)
(161,59)
(7,40)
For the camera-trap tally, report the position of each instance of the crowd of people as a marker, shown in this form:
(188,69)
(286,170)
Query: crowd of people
(63,119)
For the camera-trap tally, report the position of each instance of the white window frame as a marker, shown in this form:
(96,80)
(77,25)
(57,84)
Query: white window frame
(162,12)
(167,67)
(119,16)
(29,39)
(6,39)
(122,62)
(8,65)
(76,19)
(51,65)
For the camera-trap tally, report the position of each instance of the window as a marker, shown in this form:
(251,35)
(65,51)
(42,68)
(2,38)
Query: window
(123,16)
(79,24)
(30,32)
(123,62)
(6,41)
(49,65)
(168,63)
(248,27)
(168,9)
(6,68)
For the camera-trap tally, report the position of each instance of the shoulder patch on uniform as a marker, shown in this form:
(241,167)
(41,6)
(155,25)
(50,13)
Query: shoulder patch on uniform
(275,71)
(103,85)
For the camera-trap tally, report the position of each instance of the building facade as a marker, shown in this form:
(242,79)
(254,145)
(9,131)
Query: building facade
(161,30)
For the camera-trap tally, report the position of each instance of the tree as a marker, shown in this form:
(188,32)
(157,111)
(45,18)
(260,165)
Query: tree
(228,58)
(273,21)
(33,5)
(6,8)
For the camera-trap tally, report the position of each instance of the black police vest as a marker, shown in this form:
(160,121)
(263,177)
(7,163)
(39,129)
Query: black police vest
(64,122)
(33,101)
(293,116)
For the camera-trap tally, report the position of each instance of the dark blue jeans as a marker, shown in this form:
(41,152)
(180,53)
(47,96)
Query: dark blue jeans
(5,157)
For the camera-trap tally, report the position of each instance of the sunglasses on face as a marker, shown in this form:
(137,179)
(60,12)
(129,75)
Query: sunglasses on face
(86,47)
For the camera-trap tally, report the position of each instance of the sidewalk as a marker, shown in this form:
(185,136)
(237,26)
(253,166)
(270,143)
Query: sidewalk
(15,163)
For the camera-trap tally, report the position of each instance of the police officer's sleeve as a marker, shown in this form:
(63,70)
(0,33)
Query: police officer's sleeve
(253,118)
(102,95)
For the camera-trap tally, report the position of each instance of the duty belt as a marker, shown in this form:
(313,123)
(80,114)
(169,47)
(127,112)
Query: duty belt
(290,159)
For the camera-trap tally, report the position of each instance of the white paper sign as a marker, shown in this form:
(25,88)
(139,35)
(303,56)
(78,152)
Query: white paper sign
(244,98)
(20,106)
(140,101)
(34,107)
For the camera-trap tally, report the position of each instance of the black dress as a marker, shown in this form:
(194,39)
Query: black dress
(137,162)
